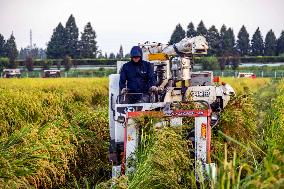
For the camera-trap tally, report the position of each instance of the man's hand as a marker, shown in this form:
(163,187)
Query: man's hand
(153,89)
(124,90)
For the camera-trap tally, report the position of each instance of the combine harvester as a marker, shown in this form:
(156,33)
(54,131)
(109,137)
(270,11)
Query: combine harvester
(172,65)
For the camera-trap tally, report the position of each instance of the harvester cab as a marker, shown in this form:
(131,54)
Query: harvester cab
(177,85)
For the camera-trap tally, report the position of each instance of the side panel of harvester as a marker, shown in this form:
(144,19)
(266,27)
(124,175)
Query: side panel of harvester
(113,94)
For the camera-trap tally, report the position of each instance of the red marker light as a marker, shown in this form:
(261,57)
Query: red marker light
(216,79)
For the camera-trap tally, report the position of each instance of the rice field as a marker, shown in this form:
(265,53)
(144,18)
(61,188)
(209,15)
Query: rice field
(54,134)
(52,131)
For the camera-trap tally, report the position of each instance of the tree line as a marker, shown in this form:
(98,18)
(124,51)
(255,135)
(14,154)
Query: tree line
(223,42)
(32,51)
(65,42)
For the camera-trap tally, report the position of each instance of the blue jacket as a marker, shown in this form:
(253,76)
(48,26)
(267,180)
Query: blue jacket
(138,77)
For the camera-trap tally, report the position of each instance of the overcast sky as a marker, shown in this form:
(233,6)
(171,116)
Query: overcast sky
(128,22)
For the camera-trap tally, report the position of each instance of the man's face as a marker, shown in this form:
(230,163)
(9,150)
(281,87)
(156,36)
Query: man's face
(136,59)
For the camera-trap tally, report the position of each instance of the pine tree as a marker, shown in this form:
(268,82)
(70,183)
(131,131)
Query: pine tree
(34,52)
(120,52)
(222,40)
(213,40)
(190,30)
(56,45)
(22,54)
(201,29)
(280,44)
(127,55)
(243,44)
(177,35)
(71,34)
(88,43)
(11,51)
(270,44)
(2,46)
(100,54)
(257,46)
(226,42)
(230,40)
(112,56)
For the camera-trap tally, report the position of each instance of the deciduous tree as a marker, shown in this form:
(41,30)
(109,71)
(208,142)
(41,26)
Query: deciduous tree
(67,63)
(29,63)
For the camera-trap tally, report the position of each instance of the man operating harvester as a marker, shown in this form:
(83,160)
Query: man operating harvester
(137,76)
